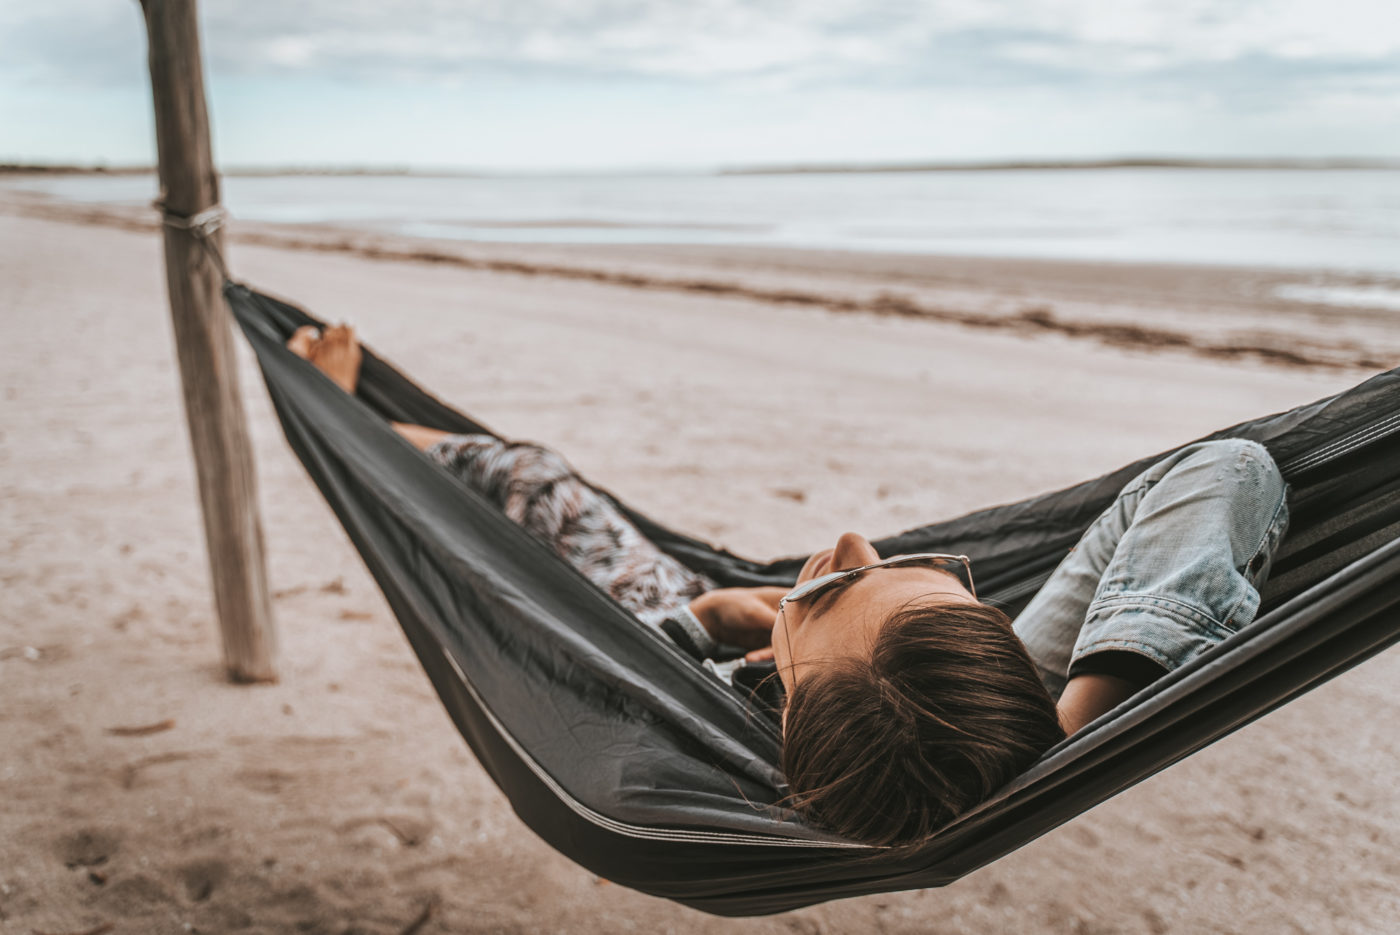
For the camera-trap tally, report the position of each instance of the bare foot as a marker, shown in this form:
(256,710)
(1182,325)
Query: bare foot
(335,352)
(303,340)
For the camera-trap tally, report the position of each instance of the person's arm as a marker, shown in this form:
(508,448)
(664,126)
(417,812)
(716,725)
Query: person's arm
(687,632)
(1099,682)
(1087,696)
(740,617)
(420,436)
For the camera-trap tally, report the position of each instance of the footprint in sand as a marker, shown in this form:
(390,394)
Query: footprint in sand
(266,781)
(134,773)
(87,847)
(134,896)
(200,877)
(407,830)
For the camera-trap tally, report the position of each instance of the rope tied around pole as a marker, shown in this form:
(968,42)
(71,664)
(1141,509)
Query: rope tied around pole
(201,227)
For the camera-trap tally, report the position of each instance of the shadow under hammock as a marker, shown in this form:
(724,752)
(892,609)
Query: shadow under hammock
(619,751)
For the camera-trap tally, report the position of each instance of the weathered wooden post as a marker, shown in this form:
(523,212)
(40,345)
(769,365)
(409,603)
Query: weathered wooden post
(218,432)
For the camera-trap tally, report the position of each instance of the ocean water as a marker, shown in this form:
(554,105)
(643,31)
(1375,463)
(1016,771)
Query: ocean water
(1323,220)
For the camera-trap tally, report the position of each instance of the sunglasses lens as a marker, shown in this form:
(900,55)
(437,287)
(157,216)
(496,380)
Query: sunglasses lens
(952,564)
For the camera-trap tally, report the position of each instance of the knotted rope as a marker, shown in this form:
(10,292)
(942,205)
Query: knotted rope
(201,227)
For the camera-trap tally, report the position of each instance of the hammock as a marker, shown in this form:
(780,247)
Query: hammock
(628,758)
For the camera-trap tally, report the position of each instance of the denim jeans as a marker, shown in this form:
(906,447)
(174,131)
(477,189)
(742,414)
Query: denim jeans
(1171,568)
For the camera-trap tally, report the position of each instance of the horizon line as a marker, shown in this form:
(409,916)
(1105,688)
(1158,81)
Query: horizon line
(989,165)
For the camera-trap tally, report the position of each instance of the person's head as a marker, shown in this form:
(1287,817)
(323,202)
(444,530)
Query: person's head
(908,700)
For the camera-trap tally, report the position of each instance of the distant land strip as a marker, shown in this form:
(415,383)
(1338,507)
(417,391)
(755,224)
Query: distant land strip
(1144,162)
(1031,319)
(1018,165)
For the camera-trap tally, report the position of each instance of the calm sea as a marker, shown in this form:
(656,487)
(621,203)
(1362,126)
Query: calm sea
(1326,220)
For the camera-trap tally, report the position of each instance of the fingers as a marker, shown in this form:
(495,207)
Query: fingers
(747,623)
(742,617)
(759,613)
(771,596)
(759,655)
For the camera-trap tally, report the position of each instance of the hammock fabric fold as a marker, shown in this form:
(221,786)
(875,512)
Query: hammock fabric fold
(628,758)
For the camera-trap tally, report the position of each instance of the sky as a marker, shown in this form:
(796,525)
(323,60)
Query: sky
(541,85)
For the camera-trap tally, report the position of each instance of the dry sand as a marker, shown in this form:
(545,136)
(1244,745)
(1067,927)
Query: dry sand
(342,800)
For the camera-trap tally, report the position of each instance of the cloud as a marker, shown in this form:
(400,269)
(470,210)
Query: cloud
(1247,54)
(712,40)
(717,39)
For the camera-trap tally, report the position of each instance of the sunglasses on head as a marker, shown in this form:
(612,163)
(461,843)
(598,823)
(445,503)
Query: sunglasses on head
(958,565)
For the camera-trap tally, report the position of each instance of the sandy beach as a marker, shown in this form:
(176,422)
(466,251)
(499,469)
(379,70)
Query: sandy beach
(766,400)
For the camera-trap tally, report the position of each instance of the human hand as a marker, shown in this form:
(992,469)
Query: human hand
(741,617)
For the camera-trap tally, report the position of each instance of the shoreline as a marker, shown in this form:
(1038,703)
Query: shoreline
(1219,312)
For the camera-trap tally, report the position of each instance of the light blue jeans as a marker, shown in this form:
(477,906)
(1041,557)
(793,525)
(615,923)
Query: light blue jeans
(1171,568)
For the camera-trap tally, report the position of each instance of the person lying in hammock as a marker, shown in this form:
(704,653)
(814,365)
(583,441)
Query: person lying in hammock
(908,700)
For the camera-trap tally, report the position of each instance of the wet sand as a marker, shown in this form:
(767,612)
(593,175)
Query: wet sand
(143,791)
(1219,312)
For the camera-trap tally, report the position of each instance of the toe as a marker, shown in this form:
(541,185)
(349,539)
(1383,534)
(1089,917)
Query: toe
(303,341)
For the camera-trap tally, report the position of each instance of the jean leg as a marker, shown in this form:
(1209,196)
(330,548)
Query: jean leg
(1170,568)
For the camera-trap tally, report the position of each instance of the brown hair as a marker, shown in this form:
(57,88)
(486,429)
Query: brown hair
(947,709)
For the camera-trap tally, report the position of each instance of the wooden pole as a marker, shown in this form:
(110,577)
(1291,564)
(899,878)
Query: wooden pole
(203,343)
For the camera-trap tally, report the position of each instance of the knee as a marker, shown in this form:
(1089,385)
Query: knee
(1250,458)
(1243,456)
(1247,469)
(537,462)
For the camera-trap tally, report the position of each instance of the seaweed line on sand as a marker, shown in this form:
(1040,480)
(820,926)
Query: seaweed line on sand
(1030,320)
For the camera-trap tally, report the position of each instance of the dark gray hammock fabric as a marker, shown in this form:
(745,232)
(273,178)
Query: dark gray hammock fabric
(625,756)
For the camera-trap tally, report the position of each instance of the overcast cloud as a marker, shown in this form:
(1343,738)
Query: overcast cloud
(1225,56)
